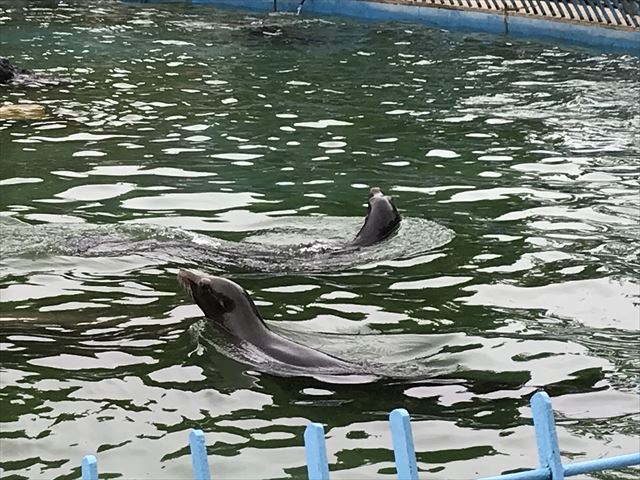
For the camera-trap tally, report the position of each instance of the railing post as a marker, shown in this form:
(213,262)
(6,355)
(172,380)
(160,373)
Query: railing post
(546,435)
(316,452)
(89,467)
(403,449)
(199,459)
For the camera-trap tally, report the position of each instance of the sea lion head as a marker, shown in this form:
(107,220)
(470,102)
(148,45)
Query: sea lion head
(382,221)
(224,302)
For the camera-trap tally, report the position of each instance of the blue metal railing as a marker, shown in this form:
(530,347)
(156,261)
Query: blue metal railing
(551,467)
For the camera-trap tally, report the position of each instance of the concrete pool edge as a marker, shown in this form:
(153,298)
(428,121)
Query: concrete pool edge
(516,25)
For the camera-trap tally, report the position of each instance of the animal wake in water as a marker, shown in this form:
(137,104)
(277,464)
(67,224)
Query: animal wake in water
(277,244)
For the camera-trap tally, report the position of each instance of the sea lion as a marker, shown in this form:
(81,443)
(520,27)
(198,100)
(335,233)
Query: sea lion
(231,309)
(14,76)
(8,71)
(381,222)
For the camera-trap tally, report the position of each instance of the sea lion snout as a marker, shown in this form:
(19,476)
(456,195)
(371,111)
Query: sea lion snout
(191,280)
(375,191)
(184,279)
(187,276)
(200,288)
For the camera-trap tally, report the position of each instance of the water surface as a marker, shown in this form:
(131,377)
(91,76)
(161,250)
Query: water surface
(180,138)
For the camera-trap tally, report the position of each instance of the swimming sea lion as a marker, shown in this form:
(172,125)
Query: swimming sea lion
(230,309)
(12,75)
(8,71)
(381,222)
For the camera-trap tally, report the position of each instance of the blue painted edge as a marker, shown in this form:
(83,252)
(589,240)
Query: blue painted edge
(602,464)
(518,25)
(316,452)
(89,467)
(199,460)
(546,436)
(574,469)
(403,449)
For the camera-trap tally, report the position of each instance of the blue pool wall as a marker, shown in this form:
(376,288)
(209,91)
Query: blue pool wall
(602,37)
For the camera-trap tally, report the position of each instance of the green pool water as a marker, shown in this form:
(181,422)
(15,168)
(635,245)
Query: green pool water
(181,137)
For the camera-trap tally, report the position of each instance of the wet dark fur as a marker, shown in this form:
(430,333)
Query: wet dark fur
(12,75)
(381,222)
(8,71)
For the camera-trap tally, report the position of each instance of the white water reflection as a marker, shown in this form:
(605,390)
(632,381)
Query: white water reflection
(88,193)
(19,181)
(79,137)
(323,124)
(598,303)
(206,201)
(547,168)
(101,360)
(503,193)
(438,282)
(442,153)
(133,170)
(587,214)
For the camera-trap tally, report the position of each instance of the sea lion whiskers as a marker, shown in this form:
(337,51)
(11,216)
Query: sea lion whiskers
(185,284)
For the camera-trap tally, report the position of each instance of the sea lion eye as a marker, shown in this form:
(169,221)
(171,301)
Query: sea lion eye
(226,302)
(221,305)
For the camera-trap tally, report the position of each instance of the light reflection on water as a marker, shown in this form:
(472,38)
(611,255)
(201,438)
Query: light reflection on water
(179,137)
